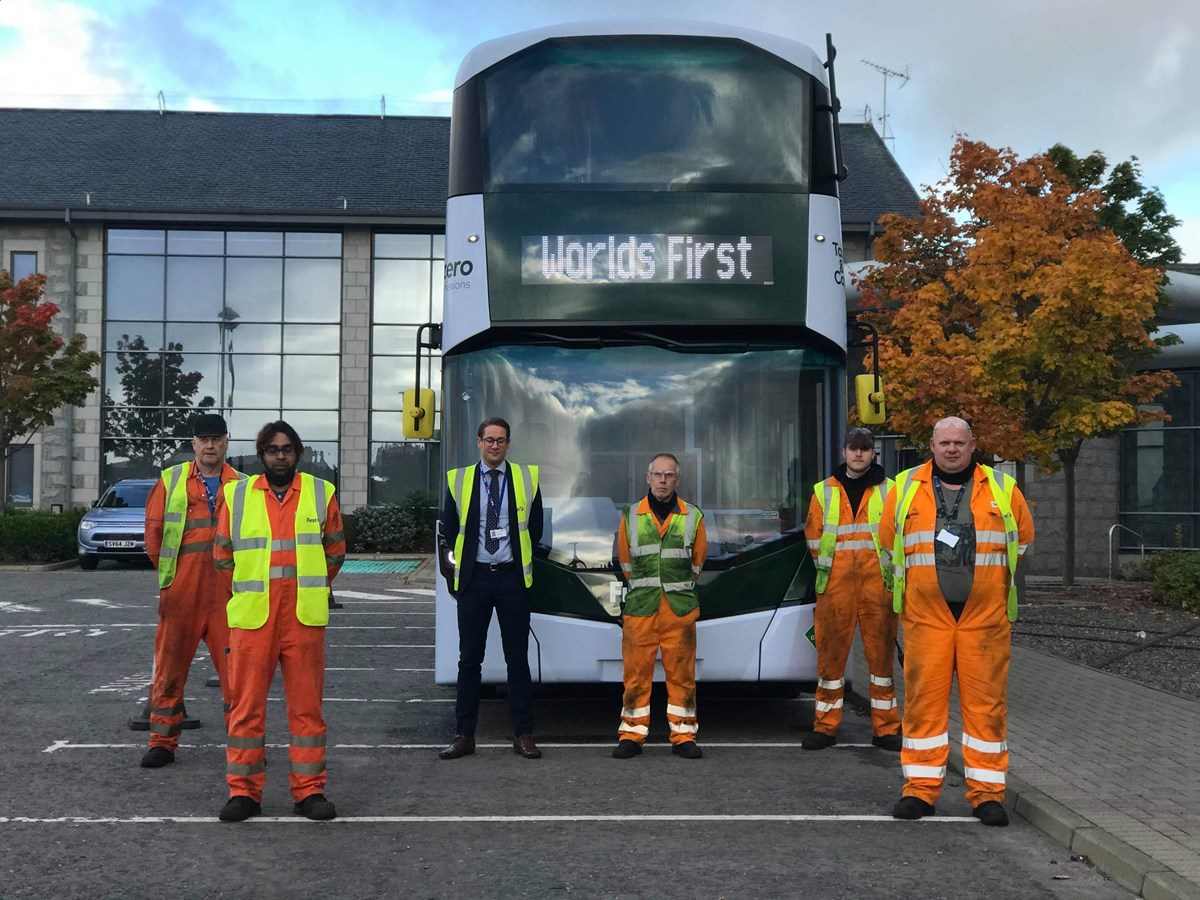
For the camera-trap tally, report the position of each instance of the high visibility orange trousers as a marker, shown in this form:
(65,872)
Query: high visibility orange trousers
(855,597)
(299,651)
(977,648)
(641,638)
(188,612)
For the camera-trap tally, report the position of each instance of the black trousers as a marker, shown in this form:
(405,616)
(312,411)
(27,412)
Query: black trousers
(503,591)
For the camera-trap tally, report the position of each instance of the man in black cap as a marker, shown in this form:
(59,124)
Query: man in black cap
(181,519)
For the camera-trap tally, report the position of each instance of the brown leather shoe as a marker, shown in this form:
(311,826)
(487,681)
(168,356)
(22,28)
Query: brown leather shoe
(524,745)
(462,745)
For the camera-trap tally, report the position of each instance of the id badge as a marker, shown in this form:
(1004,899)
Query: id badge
(945,537)
(501,533)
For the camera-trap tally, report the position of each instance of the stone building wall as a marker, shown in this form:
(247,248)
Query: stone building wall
(355,368)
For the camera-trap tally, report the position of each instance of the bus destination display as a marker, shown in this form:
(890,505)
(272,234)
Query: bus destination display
(646,258)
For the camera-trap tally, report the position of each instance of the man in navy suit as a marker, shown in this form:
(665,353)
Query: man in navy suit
(491,520)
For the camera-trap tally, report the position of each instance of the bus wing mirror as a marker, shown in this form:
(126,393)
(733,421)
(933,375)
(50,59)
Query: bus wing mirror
(418,413)
(868,390)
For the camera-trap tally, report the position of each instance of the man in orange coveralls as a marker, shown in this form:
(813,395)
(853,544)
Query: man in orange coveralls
(279,544)
(957,529)
(662,546)
(180,524)
(843,536)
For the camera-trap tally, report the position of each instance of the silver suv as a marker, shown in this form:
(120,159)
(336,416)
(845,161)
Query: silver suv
(115,526)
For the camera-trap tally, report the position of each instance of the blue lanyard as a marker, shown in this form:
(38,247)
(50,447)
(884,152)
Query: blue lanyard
(952,515)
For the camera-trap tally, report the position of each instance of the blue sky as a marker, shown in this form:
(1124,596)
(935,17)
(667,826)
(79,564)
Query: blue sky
(1113,75)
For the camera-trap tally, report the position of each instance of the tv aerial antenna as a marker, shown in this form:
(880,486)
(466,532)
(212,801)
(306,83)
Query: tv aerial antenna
(885,126)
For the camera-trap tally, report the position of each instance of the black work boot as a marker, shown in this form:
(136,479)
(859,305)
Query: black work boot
(157,757)
(239,809)
(991,813)
(912,808)
(627,749)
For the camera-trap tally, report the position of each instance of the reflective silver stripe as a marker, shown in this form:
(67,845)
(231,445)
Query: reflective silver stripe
(166,730)
(814,545)
(335,559)
(239,544)
(676,554)
(315,768)
(308,740)
(855,528)
(644,551)
(1021,548)
(831,685)
(239,514)
(683,727)
(247,743)
(312,581)
(695,569)
(826,707)
(989,775)
(282,544)
(643,582)
(676,586)
(991,537)
(167,710)
(173,517)
(918,537)
(881,682)
(856,545)
(333,537)
(681,711)
(626,568)
(883,704)
(196,547)
(927,743)
(322,502)
(278,572)
(689,529)
(637,713)
(168,552)
(245,768)
(825,562)
(634,729)
(309,538)
(193,524)
(246,587)
(938,772)
(223,563)
(984,746)
(921,559)
(223,542)
(991,559)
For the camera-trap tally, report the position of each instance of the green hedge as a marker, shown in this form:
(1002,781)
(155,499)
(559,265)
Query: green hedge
(36,536)
(405,527)
(1176,579)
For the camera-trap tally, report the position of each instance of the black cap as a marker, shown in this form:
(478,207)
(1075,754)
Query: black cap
(210,425)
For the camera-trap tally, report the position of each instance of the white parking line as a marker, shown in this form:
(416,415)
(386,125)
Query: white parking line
(412,670)
(437,820)
(402,646)
(344,612)
(349,669)
(553,745)
(388,602)
(425,592)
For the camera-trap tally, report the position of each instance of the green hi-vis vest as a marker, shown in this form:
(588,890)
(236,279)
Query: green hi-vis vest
(174,482)
(829,498)
(661,564)
(250,533)
(462,485)
(1002,487)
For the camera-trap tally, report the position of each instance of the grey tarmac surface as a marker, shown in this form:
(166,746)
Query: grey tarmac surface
(757,817)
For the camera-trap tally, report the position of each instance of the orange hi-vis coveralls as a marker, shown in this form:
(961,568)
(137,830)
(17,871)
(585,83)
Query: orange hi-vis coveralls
(977,646)
(661,609)
(279,558)
(191,596)
(850,589)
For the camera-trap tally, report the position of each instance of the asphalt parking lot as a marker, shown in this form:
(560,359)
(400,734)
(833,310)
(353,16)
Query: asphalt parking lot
(755,818)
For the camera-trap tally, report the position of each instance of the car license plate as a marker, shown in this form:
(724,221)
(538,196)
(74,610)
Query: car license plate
(119,545)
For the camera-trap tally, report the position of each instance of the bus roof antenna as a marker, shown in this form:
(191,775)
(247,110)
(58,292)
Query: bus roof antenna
(885,126)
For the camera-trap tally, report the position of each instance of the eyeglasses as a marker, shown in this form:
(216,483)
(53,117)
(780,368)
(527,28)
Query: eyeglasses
(285,450)
(667,475)
(494,442)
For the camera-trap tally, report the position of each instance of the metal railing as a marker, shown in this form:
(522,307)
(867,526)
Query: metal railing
(1112,576)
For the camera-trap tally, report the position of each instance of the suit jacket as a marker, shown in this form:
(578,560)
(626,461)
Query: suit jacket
(448,528)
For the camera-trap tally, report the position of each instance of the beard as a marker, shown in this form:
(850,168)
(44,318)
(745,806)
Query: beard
(279,479)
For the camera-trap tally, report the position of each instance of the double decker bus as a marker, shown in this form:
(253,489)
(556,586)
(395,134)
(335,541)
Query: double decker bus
(643,254)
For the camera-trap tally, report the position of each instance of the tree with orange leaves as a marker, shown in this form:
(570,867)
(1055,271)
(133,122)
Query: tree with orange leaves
(1006,302)
(39,371)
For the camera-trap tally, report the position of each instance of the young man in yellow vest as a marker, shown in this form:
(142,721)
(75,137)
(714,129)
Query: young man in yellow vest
(180,524)
(491,520)
(279,544)
(843,535)
(957,530)
(661,546)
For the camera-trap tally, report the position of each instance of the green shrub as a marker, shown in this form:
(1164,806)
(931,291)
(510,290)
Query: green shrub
(405,527)
(1176,579)
(37,536)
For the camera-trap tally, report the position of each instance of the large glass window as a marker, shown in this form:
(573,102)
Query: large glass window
(406,293)
(22,264)
(647,113)
(1160,474)
(244,323)
(20,476)
(748,429)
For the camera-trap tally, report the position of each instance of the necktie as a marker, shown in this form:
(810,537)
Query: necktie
(492,544)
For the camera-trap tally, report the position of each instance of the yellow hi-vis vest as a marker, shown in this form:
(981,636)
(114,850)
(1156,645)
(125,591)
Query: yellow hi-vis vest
(462,485)
(829,498)
(661,564)
(1002,487)
(250,533)
(174,482)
